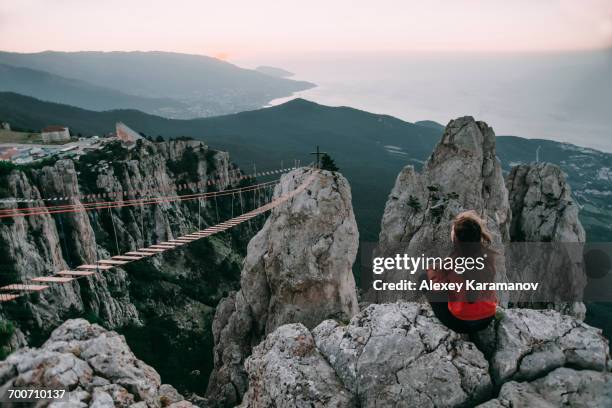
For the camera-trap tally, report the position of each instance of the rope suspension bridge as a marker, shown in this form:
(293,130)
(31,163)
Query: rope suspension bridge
(41,283)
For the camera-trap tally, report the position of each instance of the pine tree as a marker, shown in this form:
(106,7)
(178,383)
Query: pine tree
(327,163)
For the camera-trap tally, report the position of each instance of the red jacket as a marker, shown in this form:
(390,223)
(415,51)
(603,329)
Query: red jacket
(479,305)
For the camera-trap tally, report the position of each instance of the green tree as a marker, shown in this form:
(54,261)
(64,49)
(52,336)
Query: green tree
(327,163)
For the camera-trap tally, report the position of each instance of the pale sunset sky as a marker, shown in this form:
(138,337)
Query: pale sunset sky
(238,29)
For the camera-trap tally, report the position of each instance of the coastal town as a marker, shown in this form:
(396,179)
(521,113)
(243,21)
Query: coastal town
(21,147)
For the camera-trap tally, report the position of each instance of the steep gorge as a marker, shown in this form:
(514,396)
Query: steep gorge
(164,304)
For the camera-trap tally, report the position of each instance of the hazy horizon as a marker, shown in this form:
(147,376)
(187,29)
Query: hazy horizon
(242,29)
(531,69)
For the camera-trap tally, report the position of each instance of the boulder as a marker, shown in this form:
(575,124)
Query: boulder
(96,366)
(525,344)
(562,387)
(286,370)
(393,353)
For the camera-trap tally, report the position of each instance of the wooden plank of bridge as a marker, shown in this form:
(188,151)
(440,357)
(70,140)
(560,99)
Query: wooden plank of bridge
(170,243)
(95,267)
(152,250)
(162,247)
(213,230)
(124,258)
(52,279)
(75,273)
(111,262)
(137,254)
(8,297)
(24,287)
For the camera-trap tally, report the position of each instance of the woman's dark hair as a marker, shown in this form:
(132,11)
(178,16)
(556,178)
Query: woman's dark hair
(468,230)
(469,227)
(471,238)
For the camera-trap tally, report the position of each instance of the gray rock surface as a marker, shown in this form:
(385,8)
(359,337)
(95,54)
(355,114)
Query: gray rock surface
(286,370)
(461,174)
(543,210)
(399,354)
(563,387)
(388,355)
(96,366)
(297,269)
(525,344)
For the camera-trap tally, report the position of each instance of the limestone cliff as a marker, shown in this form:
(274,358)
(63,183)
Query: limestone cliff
(461,174)
(95,367)
(150,301)
(297,269)
(543,211)
(534,205)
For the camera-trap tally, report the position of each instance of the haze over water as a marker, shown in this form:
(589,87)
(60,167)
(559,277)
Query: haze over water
(560,96)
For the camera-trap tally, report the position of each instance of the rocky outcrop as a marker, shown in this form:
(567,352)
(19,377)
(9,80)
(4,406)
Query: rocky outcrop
(297,269)
(154,298)
(543,211)
(461,174)
(536,209)
(95,366)
(524,344)
(563,387)
(281,370)
(392,353)
(400,355)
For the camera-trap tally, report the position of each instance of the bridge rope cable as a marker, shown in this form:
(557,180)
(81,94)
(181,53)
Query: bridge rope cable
(14,291)
(88,205)
(216,179)
(80,207)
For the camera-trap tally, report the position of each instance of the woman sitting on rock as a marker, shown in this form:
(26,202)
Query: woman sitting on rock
(466,311)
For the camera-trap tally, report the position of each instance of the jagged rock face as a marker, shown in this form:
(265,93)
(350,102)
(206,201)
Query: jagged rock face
(562,387)
(401,355)
(297,269)
(96,367)
(393,353)
(147,299)
(543,210)
(461,174)
(525,344)
(280,372)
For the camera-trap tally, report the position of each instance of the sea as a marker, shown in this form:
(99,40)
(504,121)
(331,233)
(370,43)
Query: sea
(565,96)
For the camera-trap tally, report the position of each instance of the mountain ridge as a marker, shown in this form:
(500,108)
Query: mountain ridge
(363,144)
(194,85)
